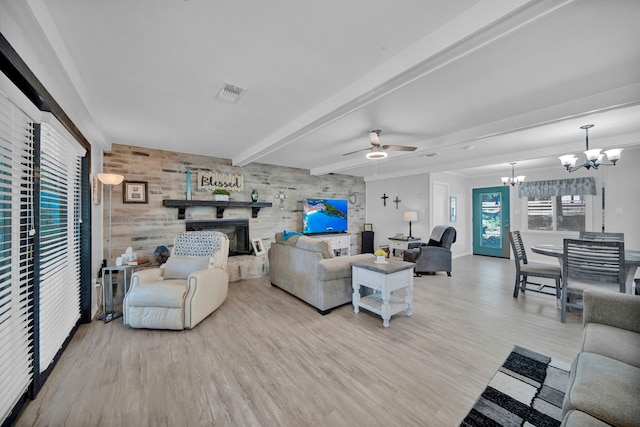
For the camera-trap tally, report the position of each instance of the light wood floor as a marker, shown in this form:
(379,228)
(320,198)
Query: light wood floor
(265,358)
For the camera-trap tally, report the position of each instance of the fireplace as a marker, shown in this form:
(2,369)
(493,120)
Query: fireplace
(237,230)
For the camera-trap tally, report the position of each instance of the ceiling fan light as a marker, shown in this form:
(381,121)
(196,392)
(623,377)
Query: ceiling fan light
(376,155)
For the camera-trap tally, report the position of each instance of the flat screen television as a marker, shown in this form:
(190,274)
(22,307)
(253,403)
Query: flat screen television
(324,216)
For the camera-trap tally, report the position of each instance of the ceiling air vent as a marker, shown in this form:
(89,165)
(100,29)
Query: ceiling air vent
(230,93)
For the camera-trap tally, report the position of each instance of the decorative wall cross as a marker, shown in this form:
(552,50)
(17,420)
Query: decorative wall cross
(396,201)
(384,199)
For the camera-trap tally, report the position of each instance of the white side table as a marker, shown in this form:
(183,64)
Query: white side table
(401,243)
(384,278)
(110,315)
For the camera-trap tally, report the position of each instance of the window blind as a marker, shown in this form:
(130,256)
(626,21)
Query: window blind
(59,238)
(16,254)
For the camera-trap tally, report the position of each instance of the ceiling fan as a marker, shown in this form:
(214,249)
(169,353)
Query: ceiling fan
(377,151)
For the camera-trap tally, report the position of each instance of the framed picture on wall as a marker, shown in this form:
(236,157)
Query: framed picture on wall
(453,209)
(258,247)
(135,192)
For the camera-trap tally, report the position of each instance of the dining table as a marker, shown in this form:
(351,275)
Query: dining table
(631,261)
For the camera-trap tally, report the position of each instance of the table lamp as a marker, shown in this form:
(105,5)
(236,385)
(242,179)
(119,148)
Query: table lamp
(410,216)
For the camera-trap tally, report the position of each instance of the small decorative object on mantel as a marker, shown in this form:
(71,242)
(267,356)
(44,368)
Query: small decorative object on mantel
(220,195)
(188,184)
(254,195)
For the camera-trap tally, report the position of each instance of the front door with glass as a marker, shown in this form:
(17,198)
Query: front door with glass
(491,221)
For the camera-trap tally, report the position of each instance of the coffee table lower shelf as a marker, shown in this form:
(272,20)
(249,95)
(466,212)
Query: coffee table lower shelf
(373,303)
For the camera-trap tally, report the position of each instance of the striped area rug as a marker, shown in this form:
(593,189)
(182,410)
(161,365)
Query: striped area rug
(527,390)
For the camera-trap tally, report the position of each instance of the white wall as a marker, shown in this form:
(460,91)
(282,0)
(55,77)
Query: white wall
(459,187)
(387,221)
(18,25)
(415,193)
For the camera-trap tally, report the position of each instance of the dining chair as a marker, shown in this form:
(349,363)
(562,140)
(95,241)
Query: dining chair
(525,269)
(589,264)
(607,237)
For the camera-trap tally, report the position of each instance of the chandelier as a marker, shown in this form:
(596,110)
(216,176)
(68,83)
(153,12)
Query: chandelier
(514,179)
(594,156)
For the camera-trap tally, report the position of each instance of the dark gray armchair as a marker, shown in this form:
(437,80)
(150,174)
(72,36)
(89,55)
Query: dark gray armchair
(436,254)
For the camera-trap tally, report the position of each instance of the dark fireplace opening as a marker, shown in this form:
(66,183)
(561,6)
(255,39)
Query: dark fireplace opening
(236,229)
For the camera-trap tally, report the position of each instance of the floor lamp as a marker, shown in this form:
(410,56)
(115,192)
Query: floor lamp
(110,180)
(410,216)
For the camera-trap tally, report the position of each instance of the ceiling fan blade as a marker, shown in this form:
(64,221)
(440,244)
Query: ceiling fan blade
(357,151)
(398,148)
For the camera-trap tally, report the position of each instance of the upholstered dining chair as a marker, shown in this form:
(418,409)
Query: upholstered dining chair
(525,269)
(590,264)
(595,235)
(190,286)
(436,254)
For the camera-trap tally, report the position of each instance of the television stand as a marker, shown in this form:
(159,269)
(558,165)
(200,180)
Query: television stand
(340,242)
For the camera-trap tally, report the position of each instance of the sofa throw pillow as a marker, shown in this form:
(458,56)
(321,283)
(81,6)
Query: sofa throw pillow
(180,266)
(316,245)
(286,234)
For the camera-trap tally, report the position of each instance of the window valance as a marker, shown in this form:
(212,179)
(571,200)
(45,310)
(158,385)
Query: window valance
(558,187)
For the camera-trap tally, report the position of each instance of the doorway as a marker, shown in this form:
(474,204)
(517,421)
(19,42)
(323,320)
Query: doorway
(491,224)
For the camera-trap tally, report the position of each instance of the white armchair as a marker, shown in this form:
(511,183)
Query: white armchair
(190,286)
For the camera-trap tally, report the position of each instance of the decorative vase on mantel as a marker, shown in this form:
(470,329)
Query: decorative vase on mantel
(254,196)
(188,184)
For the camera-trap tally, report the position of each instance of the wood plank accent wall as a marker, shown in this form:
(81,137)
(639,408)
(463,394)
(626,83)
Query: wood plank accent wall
(146,226)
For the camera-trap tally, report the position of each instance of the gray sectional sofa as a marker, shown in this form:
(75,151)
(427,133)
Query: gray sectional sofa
(604,384)
(307,268)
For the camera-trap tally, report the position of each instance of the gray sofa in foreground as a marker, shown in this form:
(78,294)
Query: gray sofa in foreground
(604,384)
(307,268)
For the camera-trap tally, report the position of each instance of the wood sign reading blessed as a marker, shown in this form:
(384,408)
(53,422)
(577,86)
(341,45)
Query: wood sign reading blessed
(228,181)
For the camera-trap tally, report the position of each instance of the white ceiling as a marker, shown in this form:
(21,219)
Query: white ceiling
(514,79)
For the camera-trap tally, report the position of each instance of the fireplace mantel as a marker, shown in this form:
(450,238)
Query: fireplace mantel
(182,206)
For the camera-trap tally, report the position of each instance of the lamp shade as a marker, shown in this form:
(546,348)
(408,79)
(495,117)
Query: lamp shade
(410,216)
(110,178)
(614,154)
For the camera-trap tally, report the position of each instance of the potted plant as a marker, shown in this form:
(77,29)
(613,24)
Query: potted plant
(380,256)
(220,195)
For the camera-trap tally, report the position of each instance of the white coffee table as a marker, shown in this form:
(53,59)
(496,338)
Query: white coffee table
(385,278)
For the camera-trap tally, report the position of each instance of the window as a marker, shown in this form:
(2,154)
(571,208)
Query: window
(557,213)
(16,254)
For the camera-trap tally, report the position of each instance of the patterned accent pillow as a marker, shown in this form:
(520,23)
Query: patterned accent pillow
(198,243)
